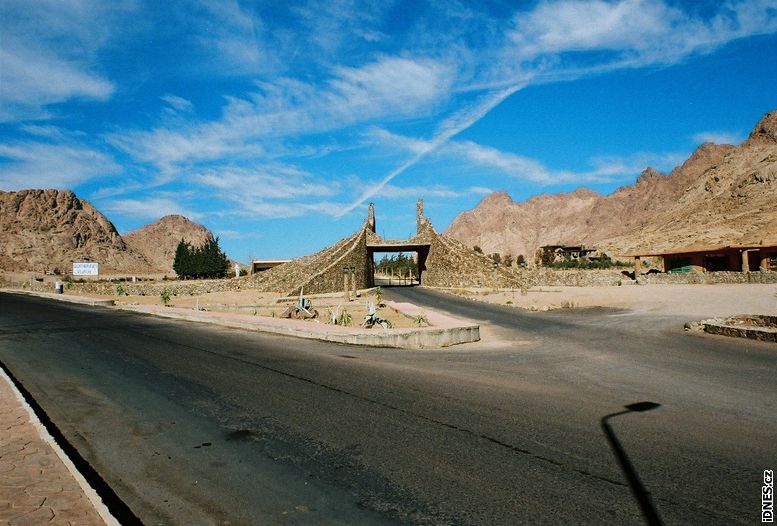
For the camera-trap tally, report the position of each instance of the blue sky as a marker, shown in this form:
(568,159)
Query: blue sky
(275,123)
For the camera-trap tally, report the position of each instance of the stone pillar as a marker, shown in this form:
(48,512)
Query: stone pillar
(371,217)
(637,266)
(353,282)
(346,285)
(745,262)
(419,216)
(764,261)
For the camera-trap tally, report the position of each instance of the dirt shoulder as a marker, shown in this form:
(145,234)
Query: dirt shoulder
(698,300)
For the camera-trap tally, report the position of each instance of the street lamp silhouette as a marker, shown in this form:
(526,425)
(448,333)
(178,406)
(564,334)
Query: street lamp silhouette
(637,489)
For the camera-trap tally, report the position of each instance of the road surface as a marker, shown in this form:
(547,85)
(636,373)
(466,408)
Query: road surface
(194,424)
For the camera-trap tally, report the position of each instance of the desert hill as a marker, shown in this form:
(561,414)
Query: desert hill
(55,228)
(157,241)
(722,194)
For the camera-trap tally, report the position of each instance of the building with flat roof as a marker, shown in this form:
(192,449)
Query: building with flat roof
(260,265)
(736,258)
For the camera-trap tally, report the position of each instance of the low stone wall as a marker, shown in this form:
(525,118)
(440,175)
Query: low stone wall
(707,278)
(176,288)
(754,327)
(578,278)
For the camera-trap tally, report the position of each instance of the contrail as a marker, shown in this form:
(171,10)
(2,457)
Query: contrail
(451,128)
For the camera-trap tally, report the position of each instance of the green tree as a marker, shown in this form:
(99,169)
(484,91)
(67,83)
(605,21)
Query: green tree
(207,261)
(182,261)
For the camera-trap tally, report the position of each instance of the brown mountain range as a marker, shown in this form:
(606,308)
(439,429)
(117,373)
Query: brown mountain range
(721,195)
(52,228)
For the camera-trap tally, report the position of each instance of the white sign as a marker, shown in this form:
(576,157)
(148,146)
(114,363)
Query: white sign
(86,269)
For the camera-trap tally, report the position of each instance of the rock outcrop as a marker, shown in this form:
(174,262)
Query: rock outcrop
(732,203)
(53,228)
(721,195)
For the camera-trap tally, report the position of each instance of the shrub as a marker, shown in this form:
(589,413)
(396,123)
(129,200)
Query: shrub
(345,318)
(165,294)
(120,290)
(378,296)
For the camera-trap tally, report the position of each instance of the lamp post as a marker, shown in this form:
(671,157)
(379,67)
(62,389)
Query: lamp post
(637,489)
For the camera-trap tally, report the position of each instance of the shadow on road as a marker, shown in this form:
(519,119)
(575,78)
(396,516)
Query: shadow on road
(640,493)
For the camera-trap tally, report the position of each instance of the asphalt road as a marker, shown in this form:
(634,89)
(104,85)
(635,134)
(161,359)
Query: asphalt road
(193,424)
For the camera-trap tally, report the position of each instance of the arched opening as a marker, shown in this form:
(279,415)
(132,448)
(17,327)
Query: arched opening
(399,266)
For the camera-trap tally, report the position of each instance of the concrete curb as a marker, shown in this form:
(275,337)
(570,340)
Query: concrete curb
(446,332)
(443,332)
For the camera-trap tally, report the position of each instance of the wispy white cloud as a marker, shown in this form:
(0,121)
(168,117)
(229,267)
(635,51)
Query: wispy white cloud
(49,54)
(225,233)
(178,104)
(449,128)
(603,169)
(516,166)
(230,35)
(41,165)
(440,191)
(148,208)
(640,31)
(283,210)
(266,191)
(388,88)
(531,170)
(264,182)
(718,137)
(32,81)
(336,24)
(583,25)
(625,33)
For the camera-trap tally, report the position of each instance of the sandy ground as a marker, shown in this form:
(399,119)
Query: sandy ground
(272,305)
(703,301)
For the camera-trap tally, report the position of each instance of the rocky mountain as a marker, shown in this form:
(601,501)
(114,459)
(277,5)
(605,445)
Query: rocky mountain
(53,228)
(157,241)
(722,194)
(734,202)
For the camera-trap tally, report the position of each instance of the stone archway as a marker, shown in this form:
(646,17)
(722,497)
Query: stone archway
(443,262)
